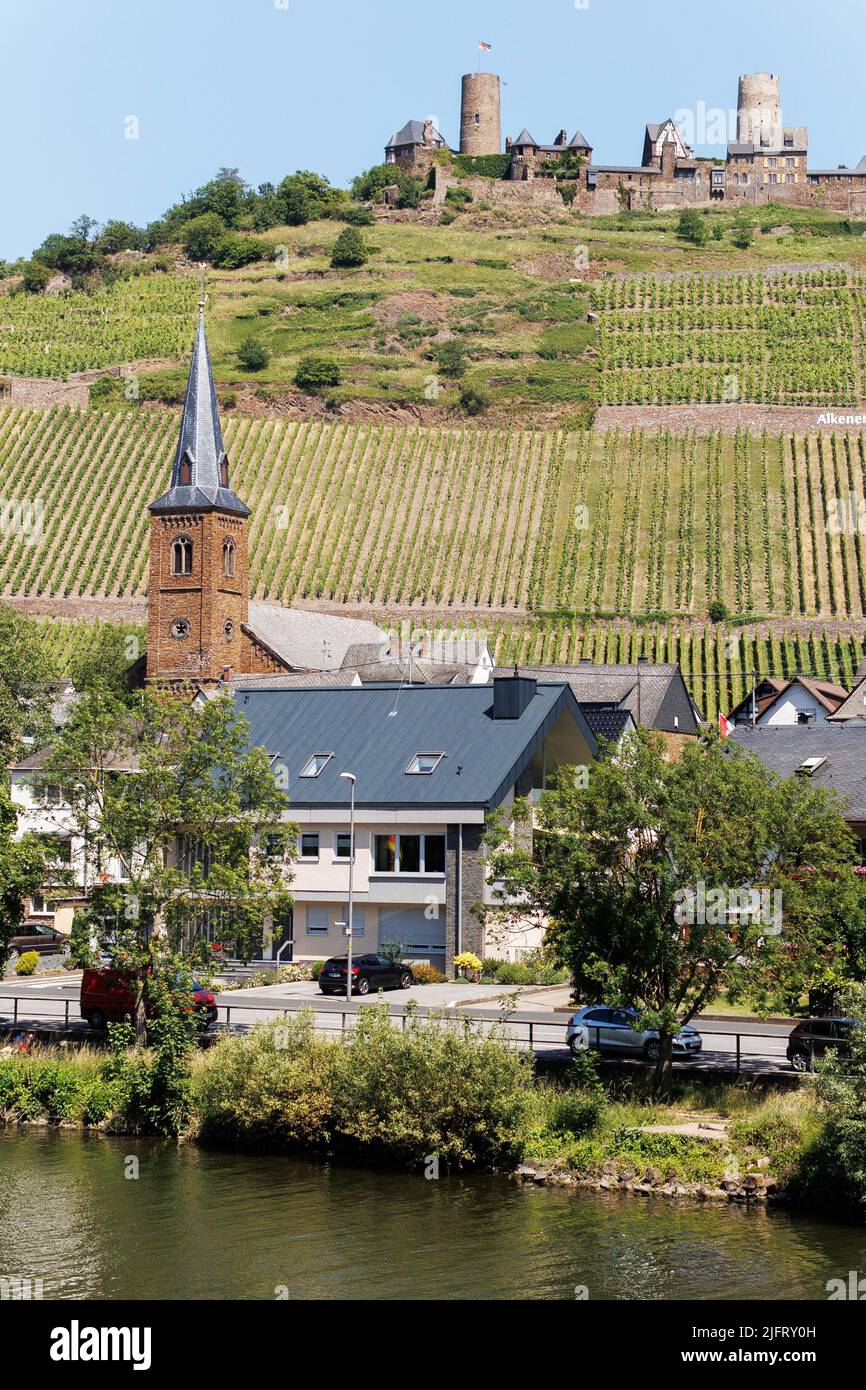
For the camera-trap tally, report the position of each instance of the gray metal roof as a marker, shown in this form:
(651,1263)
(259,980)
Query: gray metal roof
(785,748)
(200,444)
(524,138)
(483,756)
(741,147)
(579,140)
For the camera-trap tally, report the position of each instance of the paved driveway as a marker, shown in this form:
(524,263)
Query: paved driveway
(447,996)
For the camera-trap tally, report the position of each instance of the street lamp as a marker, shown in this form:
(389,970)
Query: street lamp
(350,777)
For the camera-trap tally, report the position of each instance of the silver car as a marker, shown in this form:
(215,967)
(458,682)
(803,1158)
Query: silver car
(618,1031)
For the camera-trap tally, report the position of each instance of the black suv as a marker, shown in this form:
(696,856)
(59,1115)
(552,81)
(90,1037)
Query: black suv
(813,1039)
(368,972)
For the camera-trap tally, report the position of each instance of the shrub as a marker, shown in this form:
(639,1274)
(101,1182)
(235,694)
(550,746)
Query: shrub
(27,963)
(692,227)
(576,1112)
(253,355)
(201,235)
(447,217)
(474,400)
(717,611)
(233,251)
(424,973)
(355,216)
(458,198)
(450,358)
(485,166)
(35,276)
(369,186)
(313,372)
(348,250)
(469,962)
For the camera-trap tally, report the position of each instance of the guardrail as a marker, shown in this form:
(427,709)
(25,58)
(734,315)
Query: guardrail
(530,1033)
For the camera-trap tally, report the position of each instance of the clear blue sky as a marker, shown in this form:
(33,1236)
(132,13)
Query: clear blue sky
(275,85)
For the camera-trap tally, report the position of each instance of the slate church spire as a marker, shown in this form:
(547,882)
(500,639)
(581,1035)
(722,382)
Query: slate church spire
(200,476)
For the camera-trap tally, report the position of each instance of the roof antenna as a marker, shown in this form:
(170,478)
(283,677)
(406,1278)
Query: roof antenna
(392,712)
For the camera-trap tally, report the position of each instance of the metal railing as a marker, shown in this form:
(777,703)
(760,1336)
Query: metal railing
(533,1034)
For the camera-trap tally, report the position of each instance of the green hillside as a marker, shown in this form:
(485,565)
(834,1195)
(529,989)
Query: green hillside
(508,519)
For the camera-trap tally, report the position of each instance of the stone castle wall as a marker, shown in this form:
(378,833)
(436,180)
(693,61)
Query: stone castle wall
(480,97)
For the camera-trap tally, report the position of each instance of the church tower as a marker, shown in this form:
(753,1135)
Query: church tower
(198,596)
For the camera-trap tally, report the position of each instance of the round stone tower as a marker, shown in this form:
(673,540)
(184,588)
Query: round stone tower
(759,108)
(479,114)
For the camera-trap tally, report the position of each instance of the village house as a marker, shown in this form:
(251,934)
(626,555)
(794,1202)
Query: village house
(799,700)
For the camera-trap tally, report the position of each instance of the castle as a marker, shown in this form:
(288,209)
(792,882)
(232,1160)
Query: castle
(767,162)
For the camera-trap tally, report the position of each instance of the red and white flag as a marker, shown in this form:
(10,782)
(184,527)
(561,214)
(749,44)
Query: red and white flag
(724,726)
(485,47)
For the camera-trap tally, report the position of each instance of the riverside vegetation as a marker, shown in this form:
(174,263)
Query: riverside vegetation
(441,1091)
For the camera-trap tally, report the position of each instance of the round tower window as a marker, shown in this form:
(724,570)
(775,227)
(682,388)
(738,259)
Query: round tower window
(228,629)
(180,629)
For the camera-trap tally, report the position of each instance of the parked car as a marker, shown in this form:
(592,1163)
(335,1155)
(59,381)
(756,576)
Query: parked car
(368,972)
(107,997)
(38,936)
(618,1031)
(813,1039)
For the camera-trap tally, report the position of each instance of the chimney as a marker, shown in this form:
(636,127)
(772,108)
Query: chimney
(512,695)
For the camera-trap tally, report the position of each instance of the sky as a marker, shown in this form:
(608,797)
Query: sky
(270,86)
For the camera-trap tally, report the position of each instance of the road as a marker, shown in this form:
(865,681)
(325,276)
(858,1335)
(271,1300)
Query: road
(761,1045)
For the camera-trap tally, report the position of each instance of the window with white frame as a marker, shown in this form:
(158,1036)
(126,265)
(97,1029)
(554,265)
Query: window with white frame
(315,765)
(342,841)
(422,764)
(409,854)
(310,845)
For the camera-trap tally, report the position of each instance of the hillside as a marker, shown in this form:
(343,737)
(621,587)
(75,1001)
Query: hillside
(512,520)
(512,287)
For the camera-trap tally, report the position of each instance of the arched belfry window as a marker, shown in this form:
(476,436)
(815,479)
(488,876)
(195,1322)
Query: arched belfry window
(224,473)
(228,557)
(181,555)
(185,472)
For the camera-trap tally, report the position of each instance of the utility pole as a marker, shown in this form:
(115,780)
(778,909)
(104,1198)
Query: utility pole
(350,777)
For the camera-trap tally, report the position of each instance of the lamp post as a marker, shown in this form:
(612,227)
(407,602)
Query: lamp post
(350,777)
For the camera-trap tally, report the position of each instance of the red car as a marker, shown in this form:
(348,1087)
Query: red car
(106,997)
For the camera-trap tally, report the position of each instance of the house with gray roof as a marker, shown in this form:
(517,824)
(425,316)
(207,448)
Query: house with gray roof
(654,694)
(830,755)
(431,763)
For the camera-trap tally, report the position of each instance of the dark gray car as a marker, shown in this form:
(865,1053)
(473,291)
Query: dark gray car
(618,1032)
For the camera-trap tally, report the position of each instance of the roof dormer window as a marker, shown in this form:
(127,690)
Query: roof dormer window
(316,765)
(424,763)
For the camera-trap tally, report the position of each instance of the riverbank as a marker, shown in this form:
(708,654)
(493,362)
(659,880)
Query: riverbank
(443,1098)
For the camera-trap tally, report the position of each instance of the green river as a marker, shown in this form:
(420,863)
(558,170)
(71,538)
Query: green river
(196,1223)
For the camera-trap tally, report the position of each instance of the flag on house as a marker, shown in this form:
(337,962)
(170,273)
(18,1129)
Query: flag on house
(485,47)
(724,726)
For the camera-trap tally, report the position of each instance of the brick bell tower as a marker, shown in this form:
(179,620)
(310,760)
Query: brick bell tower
(198,589)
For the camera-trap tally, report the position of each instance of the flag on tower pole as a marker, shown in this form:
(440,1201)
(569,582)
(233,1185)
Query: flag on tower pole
(724,726)
(485,47)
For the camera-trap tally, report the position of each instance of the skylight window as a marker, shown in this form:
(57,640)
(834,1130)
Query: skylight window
(316,764)
(424,763)
(810,766)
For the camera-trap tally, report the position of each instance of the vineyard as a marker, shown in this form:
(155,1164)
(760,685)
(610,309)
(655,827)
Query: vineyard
(52,335)
(787,338)
(529,521)
(717,661)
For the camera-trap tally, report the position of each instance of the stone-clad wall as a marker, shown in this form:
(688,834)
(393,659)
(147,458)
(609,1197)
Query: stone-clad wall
(471,892)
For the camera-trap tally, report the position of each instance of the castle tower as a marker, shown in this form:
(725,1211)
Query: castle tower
(759,109)
(480,126)
(198,590)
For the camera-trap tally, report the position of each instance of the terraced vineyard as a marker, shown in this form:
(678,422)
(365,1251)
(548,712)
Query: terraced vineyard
(520,520)
(790,338)
(717,660)
(142,317)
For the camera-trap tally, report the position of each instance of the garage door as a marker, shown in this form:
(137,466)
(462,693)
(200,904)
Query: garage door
(422,936)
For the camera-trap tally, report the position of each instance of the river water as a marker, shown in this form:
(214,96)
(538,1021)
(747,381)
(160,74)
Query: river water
(196,1223)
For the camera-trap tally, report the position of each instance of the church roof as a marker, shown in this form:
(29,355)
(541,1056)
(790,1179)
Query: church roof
(200,458)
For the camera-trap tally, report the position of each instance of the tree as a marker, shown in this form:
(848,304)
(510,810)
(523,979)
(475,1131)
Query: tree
(120,236)
(253,355)
(35,276)
(201,235)
(24,684)
(176,796)
(306,196)
(450,358)
(22,872)
(474,400)
(743,230)
(105,664)
(692,227)
(349,249)
(664,881)
(369,186)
